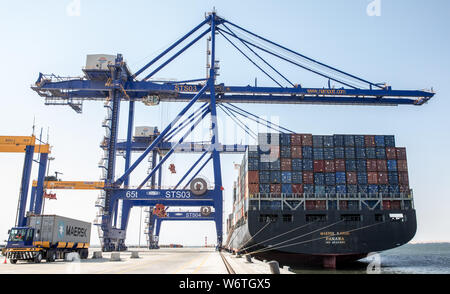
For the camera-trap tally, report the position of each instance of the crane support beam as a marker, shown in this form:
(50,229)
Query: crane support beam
(72,185)
(22,148)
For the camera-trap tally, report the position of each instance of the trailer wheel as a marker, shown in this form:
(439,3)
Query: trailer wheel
(51,256)
(38,257)
(13,261)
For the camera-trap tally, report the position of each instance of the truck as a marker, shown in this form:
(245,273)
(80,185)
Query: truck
(48,237)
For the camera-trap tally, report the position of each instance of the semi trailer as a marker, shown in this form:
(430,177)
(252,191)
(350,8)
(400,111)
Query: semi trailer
(48,237)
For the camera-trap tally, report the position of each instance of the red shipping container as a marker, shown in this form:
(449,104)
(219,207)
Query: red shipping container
(310,204)
(275,188)
(403,178)
(253,188)
(286,164)
(307,140)
(391,153)
(402,165)
(383,178)
(296,151)
(321,204)
(386,205)
(396,205)
(369,141)
(401,153)
(253,177)
(297,188)
(352,179)
(372,178)
(343,204)
(329,166)
(296,139)
(319,166)
(381,165)
(339,165)
(308,177)
(371,165)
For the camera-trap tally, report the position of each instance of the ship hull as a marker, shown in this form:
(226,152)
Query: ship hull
(292,240)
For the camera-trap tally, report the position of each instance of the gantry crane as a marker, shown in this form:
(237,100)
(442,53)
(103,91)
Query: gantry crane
(155,222)
(27,145)
(112,81)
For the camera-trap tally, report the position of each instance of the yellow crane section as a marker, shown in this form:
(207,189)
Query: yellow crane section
(18,144)
(75,185)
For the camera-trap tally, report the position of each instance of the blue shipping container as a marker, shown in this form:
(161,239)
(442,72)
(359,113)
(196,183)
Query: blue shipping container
(275,177)
(308,164)
(359,141)
(379,141)
(381,152)
(328,153)
(330,189)
(350,152)
(319,189)
(275,165)
(330,179)
(341,189)
(389,141)
(392,165)
(319,179)
(338,140)
(340,178)
(371,153)
(308,189)
(361,165)
(307,152)
(350,165)
(286,177)
(285,151)
(318,153)
(286,188)
(264,177)
(317,141)
(362,178)
(328,141)
(297,177)
(360,152)
(285,139)
(297,164)
(339,152)
(264,188)
(349,141)
(393,178)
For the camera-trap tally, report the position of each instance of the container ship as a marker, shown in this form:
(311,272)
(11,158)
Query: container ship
(303,199)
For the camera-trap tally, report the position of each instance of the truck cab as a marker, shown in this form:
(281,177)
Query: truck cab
(20,237)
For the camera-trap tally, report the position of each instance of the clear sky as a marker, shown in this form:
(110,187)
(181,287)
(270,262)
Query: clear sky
(407,46)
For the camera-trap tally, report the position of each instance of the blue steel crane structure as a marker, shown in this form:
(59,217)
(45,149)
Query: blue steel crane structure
(117,83)
(155,222)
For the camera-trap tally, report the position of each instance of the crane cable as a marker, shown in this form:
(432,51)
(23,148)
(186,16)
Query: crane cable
(302,242)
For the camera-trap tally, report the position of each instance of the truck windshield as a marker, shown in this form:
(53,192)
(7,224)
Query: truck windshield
(18,235)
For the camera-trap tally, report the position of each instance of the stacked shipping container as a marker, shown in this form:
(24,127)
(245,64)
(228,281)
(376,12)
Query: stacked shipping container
(321,165)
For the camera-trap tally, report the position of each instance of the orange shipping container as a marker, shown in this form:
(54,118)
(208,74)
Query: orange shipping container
(296,151)
(253,177)
(391,153)
(401,153)
(352,178)
(383,178)
(286,164)
(372,178)
(329,166)
(339,165)
(307,140)
(371,165)
(369,141)
(381,165)
(402,165)
(296,139)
